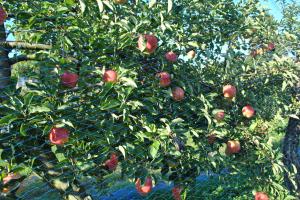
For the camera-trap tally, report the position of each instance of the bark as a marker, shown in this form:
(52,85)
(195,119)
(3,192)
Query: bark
(291,147)
(4,64)
(290,151)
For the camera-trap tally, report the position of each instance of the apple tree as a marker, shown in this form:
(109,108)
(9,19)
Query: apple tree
(156,89)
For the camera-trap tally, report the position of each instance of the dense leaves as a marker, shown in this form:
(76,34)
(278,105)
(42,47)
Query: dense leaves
(99,83)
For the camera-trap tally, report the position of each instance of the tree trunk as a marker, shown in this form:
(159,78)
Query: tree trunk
(4,62)
(290,151)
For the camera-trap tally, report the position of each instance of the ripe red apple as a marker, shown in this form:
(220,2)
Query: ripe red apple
(110,76)
(112,163)
(261,196)
(120,1)
(219,115)
(211,138)
(191,54)
(233,146)
(59,136)
(178,94)
(9,177)
(271,46)
(248,111)
(164,79)
(3,15)
(69,79)
(148,43)
(176,193)
(229,91)
(144,190)
(171,56)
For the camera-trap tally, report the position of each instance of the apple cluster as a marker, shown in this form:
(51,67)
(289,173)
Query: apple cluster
(148,44)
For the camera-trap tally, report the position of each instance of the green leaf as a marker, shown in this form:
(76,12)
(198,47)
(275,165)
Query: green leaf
(152,3)
(100,5)
(28,98)
(8,119)
(23,129)
(170,5)
(107,3)
(39,109)
(82,6)
(70,2)
(122,149)
(110,104)
(60,157)
(154,149)
(128,82)
(284,85)
(177,121)
(193,44)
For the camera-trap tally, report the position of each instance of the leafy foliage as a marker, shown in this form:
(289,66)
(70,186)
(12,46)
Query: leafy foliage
(151,133)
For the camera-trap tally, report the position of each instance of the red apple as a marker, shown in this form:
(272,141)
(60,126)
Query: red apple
(261,196)
(69,79)
(3,15)
(233,146)
(229,91)
(248,111)
(112,163)
(144,190)
(9,177)
(110,76)
(148,43)
(171,56)
(164,79)
(191,54)
(271,46)
(211,138)
(59,136)
(178,94)
(176,193)
(219,115)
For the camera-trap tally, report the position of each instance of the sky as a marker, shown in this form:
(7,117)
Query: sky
(274,8)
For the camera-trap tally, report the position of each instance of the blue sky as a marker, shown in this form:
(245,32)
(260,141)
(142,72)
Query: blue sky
(274,8)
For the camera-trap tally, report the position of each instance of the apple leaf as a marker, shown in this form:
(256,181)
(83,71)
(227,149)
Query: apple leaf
(24,127)
(100,5)
(193,44)
(6,120)
(122,149)
(170,5)
(152,3)
(107,3)
(28,98)
(82,6)
(154,149)
(128,82)
(39,109)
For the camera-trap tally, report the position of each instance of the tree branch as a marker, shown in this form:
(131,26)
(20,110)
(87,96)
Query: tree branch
(25,45)
(21,58)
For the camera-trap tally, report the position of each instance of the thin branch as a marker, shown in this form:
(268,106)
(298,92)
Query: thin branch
(36,57)
(24,45)
(21,58)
